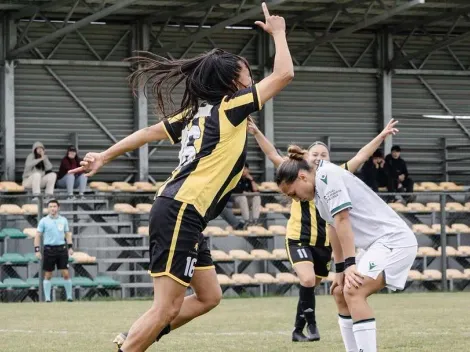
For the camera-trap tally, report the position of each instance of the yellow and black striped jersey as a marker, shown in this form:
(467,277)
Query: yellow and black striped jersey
(212,154)
(306,225)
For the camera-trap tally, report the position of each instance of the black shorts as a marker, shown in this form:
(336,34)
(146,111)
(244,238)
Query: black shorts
(177,245)
(299,252)
(55,256)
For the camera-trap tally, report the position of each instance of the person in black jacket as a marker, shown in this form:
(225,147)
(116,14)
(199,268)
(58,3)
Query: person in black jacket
(374,173)
(399,180)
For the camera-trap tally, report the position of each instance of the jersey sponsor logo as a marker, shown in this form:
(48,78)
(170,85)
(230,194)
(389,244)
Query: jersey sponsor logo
(372,266)
(196,247)
(334,193)
(324,178)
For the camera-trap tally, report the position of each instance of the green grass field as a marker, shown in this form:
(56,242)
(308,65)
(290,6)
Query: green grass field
(406,322)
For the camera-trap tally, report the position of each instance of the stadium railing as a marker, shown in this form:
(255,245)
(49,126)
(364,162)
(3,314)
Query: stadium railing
(439,219)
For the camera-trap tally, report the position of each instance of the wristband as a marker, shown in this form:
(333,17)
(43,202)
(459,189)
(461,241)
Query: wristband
(349,262)
(69,246)
(36,249)
(339,267)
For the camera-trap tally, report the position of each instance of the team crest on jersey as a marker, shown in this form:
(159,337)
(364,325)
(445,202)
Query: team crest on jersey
(60,227)
(196,246)
(372,265)
(324,178)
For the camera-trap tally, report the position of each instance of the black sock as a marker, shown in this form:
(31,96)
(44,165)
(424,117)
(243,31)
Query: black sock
(166,330)
(307,301)
(299,317)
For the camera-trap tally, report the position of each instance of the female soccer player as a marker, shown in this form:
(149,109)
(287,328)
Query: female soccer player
(307,239)
(212,127)
(360,219)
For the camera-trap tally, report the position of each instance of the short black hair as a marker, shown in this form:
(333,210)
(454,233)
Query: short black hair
(53,201)
(396,148)
(247,165)
(378,154)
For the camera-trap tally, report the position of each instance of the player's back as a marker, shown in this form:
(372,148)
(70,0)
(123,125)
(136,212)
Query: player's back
(371,218)
(213,152)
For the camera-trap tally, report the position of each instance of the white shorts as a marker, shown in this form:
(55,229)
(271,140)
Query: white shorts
(395,263)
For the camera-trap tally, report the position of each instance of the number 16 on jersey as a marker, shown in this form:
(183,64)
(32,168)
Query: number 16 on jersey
(190,264)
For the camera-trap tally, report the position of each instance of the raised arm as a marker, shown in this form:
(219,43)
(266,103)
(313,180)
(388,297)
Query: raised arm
(266,146)
(283,70)
(366,152)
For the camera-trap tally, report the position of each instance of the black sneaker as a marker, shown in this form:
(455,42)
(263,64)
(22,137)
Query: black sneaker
(298,336)
(313,333)
(70,300)
(119,339)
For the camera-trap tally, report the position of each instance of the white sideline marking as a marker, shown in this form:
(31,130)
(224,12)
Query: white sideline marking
(228,333)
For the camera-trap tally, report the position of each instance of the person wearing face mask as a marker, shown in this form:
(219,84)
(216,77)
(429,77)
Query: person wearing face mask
(38,172)
(307,240)
(70,181)
(360,219)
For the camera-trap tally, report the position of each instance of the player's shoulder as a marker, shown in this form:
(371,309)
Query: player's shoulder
(325,167)
(63,218)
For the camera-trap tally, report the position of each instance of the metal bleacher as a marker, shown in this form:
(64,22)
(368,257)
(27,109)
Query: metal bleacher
(111,228)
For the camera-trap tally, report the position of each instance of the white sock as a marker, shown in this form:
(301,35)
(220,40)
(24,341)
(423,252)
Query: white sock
(365,334)
(346,327)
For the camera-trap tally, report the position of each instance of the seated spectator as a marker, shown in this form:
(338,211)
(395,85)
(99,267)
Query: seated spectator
(230,218)
(247,184)
(71,181)
(399,180)
(374,173)
(38,172)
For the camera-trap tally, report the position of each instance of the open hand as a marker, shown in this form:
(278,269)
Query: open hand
(252,128)
(352,278)
(390,129)
(338,281)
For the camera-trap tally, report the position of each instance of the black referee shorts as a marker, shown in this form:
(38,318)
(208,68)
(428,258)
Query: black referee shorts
(55,256)
(177,245)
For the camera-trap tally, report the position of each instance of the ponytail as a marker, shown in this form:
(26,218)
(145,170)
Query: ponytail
(207,77)
(288,171)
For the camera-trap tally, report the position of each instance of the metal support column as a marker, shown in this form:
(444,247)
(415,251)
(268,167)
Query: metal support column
(7,101)
(443,242)
(265,51)
(385,84)
(141,41)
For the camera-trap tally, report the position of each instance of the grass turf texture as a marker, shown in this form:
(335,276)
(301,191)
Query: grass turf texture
(406,322)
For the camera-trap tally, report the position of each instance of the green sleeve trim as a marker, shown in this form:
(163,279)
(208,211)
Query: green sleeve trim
(341,207)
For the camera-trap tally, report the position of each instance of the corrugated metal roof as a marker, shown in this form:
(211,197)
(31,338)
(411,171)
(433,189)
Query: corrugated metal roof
(228,9)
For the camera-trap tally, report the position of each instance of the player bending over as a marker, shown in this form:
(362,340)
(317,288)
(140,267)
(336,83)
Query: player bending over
(307,240)
(360,218)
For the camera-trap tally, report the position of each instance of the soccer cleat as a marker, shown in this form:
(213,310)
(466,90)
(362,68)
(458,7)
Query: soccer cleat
(119,339)
(313,333)
(298,336)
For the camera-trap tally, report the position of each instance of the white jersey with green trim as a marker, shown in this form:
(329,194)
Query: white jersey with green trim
(371,218)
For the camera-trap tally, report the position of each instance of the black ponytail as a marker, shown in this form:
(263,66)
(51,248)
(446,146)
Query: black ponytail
(207,77)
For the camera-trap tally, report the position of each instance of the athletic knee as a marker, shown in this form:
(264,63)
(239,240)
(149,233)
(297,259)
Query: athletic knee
(166,313)
(338,295)
(351,294)
(212,299)
(308,281)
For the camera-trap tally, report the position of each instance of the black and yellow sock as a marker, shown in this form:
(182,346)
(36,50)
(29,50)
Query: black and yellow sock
(299,317)
(307,301)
